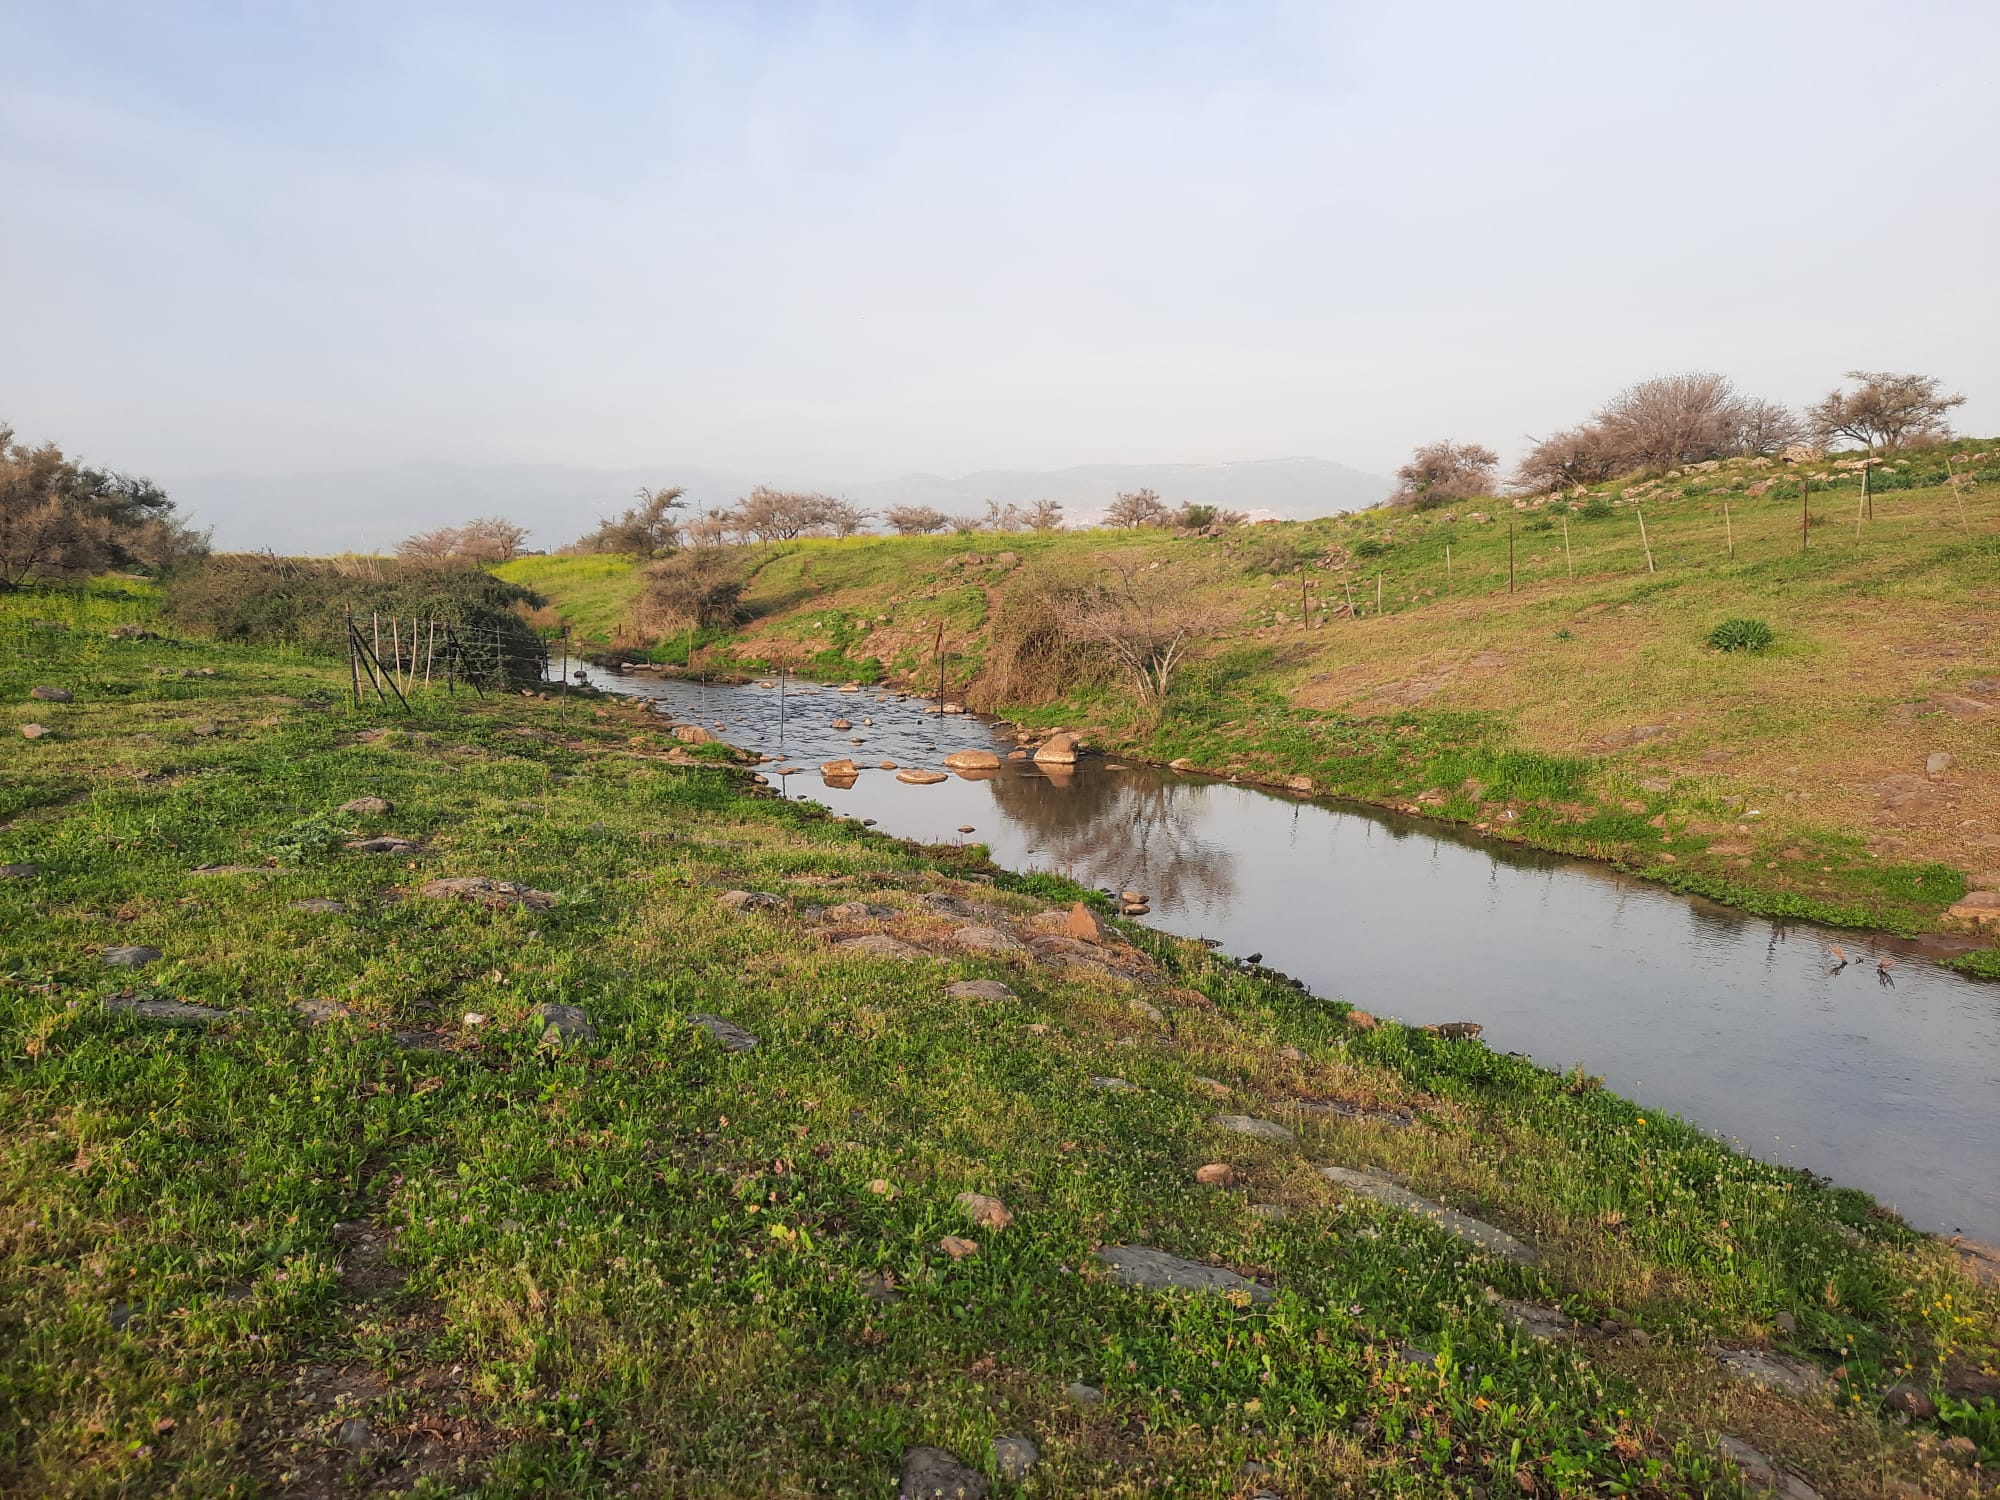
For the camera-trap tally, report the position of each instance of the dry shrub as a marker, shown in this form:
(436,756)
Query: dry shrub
(699,588)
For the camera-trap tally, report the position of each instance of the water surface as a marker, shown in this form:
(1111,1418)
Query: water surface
(1888,1082)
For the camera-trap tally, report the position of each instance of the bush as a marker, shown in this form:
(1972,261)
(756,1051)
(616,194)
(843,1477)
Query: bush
(1596,508)
(1371,547)
(697,588)
(1740,635)
(262,599)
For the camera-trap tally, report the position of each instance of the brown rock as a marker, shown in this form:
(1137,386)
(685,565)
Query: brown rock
(1978,906)
(693,734)
(33,731)
(958,1247)
(1360,1020)
(972,760)
(987,1213)
(1057,750)
(918,776)
(1216,1174)
(1085,924)
(51,694)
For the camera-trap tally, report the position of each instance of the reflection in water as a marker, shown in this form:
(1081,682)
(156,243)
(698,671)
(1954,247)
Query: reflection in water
(1747,1026)
(1097,828)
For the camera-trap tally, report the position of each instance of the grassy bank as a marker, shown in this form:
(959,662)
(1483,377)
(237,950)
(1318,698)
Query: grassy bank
(1580,709)
(388,1245)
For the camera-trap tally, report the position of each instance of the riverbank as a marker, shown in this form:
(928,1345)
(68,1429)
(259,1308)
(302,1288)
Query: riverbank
(366,1220)
(1568,699)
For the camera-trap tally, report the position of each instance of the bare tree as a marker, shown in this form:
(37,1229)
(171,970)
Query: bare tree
(1445,472)
(1577,455)
(647,529)
(711,530)
(1766,427)
(61,519)
(1008,517)
(491,539)
(916,520)
(1045,515)
(1147,618)
(1673,419)
(699,587)
(769,515)
(1137,508)
(1885,411)
(430,546)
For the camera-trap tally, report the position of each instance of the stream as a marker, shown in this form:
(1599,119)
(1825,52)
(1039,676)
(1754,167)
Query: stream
(1885,1080)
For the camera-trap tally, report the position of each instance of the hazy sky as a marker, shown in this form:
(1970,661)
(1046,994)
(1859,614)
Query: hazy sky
(853,240)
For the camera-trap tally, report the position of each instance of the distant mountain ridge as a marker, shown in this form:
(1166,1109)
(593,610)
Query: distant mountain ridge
(371,509)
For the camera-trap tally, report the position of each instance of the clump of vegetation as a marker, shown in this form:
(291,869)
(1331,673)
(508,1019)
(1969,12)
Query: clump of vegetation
(1596,508)
(261,599)
(308,839)
(648,528)
(1658,424)
(62,520)
(1445,472)
(698,588)
(1741,635)
(490,539)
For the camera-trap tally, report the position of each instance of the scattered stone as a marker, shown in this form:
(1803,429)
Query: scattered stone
(418,1041)
(1760,1473)
(1180,763)
(958,1247)
(1272,1212)
(750,901)
(933,1474)
(19,872)
(1014,1456)
(319,905)
(1911,1400)
(1155,1270)
(1139,1007)
(1938,762)
(130,957)
(1526,1317)
(944,901)
(357,1437)
(858,911)
(1412,1354)
(385,845)
(1083,1395)
(34,731)
(146,1008)
(966,828)
(369,807)
(879,945)
(987,939)
(692,734)
(1086,926)
(1216,1174)
(727,1034)
(881,1187)
(566,1023)
(1979,1261)
(1473,1231)
(52,694)
(987,1213)
(1460,1031)
(1978,906)
(839,768)
(1360,1020)
(917,776)
(1263,1130)
(841,724)
(206,730)
(979,989)
(1787,1324)
(489,892)
(1218,1089)
(234,870)
(318,1012)
(1113,1085)
(1301,784)
(1775,1372)
(1291,1054)
(1057,750)
(972,760)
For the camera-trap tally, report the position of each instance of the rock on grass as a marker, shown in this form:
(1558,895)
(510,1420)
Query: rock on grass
(565,1023)
(1263,1130)
(726,1034)
(1155,1270)
(129,957)
(490,892)
(1014,1456)
(979,989)
(146,1008)
(1475,1232)
(986,1212)
(933,1474)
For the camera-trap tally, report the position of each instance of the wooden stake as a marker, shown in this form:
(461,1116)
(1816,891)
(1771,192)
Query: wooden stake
(1305,608)
(1348,584)
(430,650)
(1805,510)
(1510,557)
(1568,561)
(396,646)
(1868,490)
(1640,511)
(353,660)
(1957,493)
(378,637)
(1447,567)
(1378,593)
(1728,533)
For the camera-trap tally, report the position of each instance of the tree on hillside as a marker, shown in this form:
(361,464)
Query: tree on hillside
(1147,619)
(916,520)
(769,515)
(1045,515)
(647,529)
(1562,460)
(61,520)
(1137,508)
(1885,411)
(696,588)
(1662,423)
(1445,472)
(490,539)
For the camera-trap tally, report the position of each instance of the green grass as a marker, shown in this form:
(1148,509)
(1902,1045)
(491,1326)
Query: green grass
(638,1264)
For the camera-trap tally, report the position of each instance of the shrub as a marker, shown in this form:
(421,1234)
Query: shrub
(1371,547)
(1740,635)
(1596,508)
(700,587)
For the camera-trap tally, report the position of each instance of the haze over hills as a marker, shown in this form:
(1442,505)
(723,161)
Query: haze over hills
(372,508)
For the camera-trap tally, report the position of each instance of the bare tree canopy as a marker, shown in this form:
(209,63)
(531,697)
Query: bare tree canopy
(648,529)
(916,520)
(1660,423)
(1137,508)
(1884,411)
(489,539)
(769,515)
(1444,473)
(60,519)
(1148,619)
(1045,515)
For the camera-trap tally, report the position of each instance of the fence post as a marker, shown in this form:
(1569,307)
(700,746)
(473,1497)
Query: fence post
(1510,557)
(353,662)
(1805,509)
(1728,533)
(1640,511)
(1569,562)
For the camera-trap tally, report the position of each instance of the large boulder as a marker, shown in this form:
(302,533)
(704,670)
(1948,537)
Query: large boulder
(1058,750)
(972,760)
(918,776)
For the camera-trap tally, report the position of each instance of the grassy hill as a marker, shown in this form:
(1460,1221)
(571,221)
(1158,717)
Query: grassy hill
(314,1201)
(1847,772)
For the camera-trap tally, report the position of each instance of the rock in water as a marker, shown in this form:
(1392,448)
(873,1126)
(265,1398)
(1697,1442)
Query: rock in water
(933,1474)
(972,760)
(917,776)
(1057,750)
(1155,1270)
